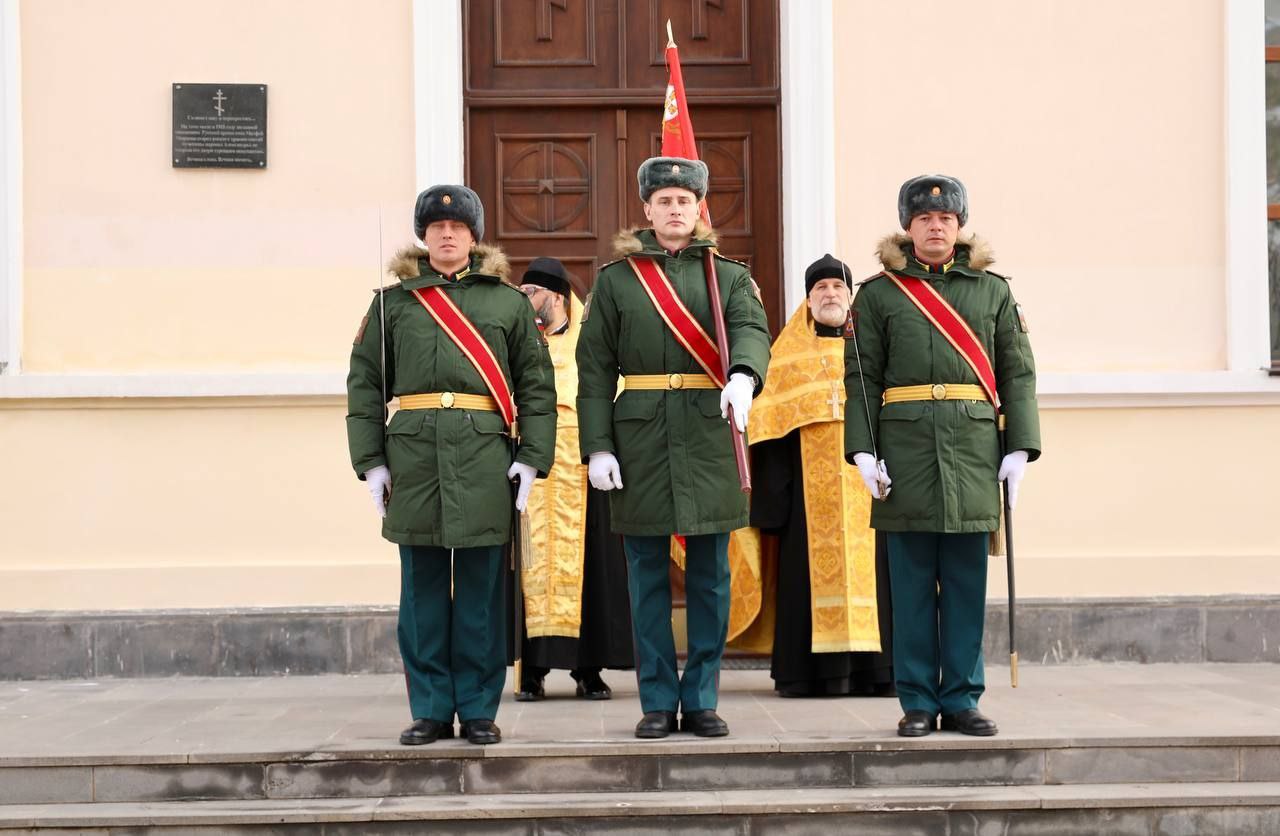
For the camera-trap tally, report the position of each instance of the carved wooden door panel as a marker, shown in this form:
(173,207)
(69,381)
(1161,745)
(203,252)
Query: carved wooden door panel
(564,101)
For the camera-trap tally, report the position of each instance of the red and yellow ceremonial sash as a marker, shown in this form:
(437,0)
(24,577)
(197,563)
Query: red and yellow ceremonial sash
(683,326)
(953,327)
(468,340)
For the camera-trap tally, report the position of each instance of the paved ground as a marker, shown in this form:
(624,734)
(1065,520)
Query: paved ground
(156,717)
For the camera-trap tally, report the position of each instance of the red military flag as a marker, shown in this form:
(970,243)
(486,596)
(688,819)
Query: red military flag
(677,141)
(677,125)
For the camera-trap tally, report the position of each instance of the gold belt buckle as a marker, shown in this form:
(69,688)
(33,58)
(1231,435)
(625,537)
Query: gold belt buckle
(446,400)
(939,391)
(675,381)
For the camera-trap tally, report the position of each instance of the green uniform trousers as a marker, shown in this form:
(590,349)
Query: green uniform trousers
(452,645)
(939,588)
(707,609)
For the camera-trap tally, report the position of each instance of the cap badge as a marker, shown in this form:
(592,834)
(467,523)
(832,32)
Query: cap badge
(446,200)
(936,191)
(675,169)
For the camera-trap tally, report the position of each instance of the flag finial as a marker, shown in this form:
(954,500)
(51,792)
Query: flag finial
(671,39)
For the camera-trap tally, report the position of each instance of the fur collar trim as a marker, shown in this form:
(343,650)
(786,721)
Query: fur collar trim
(489,259)
(892,250)
(627,242)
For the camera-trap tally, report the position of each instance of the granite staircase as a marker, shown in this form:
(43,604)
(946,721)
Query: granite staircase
(940,785)
(1157,750)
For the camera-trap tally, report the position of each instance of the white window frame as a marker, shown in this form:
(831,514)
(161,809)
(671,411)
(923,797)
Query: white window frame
(10,190)
(1248,281)
(1245,381)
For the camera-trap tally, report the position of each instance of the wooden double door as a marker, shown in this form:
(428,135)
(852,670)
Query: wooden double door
(563,102)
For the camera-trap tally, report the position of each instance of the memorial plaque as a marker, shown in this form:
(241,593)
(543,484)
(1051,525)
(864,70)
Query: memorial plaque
(219,126)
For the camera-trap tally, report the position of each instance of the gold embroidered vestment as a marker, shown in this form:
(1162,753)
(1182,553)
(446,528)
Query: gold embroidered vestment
(805,392)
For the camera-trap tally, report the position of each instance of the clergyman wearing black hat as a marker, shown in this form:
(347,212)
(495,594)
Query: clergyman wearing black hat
(439,470)
(577,614)
(546,284)
(831,628)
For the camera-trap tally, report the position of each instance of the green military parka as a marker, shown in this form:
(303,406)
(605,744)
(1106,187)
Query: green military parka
(942,456)
(448,466)
(674,450)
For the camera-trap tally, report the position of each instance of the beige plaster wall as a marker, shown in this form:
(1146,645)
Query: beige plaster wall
(182,503)
(1091,139)
(133,265)
(1138,502)
(212,503)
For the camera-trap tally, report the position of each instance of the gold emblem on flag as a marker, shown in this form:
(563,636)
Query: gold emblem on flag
(446,200)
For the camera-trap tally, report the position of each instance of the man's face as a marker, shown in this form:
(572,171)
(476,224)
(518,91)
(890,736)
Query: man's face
(829,302)
(448,241)
(934,234)
(673,211)
(544,303)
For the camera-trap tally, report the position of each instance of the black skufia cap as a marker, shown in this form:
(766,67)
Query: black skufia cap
(827,267)
(548,273)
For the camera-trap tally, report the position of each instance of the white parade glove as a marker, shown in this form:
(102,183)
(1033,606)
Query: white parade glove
(1012,469)
(737,393)
(378,480)
(603,471)
(525,474)
(873,474)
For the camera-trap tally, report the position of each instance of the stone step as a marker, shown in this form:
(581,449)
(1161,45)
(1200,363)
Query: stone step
(1117,809)
(455,771)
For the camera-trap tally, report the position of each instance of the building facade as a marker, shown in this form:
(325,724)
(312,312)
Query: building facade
(174,340)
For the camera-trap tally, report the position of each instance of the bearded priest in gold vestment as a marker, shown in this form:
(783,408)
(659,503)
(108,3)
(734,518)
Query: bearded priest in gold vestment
(832,630)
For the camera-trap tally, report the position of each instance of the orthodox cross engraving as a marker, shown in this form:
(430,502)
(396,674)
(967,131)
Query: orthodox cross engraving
(217,102)
(545,9)
(835,399)
(701,30)
(545,182)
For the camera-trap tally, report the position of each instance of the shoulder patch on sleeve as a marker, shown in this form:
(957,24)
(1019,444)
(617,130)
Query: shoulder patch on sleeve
(1022,318)
(755,289)
(364,323)
(724,257)
(851,324)
(586,308)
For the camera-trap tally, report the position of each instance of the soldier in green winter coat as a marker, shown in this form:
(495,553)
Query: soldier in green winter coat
(440,472)
(663,447)
(914,399)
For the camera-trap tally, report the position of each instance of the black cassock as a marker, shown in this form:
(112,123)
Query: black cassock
(604,637)
(777,507)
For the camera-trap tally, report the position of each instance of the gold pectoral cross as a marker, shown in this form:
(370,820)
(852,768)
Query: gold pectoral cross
(835,399)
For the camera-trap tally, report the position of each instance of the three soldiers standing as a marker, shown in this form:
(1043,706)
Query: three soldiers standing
(940,405)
